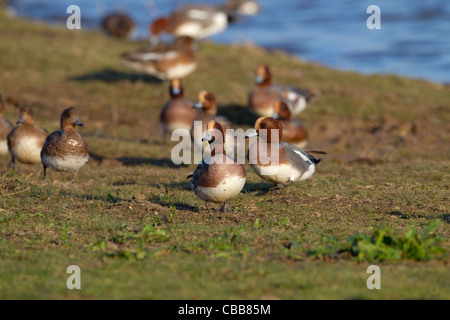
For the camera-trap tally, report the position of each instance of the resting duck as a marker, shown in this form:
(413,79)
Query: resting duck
(287,165)
(5,128)
(178,112)
(263,98)
(164,61)
(234,8)
(65,150)
(26,140)
(293,130)
(118,25)
(219,178)
(207,104)
(196,21)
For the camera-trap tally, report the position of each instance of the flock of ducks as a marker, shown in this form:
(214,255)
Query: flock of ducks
(219,177)
(28,143)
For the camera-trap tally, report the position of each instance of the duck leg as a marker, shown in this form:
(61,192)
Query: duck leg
(207,207)
(279,187)
(14,165)
(75,176)
(225,207)
(45,173)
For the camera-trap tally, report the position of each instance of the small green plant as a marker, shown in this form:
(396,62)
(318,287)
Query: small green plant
(385,244)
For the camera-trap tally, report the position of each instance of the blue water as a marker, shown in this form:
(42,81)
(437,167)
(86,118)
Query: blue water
(414,39)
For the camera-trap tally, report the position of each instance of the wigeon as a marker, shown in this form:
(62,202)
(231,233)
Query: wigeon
(5,128)
(118,25)
(289,163)
(26,140)
(65,150)
(196,21)
(164,61)
(264,96)
(233,8)
(207,104)
(178,112)
(293,130)
(219,178)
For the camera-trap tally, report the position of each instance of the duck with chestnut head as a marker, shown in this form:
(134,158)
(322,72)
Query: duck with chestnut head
(278,162)
(218,178)
(262,99)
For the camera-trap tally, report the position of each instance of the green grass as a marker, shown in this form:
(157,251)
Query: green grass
(136,229)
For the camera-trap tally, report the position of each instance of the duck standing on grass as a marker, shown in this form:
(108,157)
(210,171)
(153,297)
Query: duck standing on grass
(5,128)
(26,140)
(262,99)
(219,178)
(164,60)
(65,150)
(177,112)
(293,164)
(293,130)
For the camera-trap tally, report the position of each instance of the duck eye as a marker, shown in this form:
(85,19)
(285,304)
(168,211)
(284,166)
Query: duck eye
(264,125)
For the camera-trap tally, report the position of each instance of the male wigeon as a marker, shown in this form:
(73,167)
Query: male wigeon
(207,104)
(164,61)
(26,140)
(65,150)
(178,112)
(118,25)
(264,96)
(219,178)
(5,128)
(288,163)
(293,130)
(194,20)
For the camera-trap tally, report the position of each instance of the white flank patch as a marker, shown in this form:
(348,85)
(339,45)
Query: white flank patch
(229,188)
(191,29)
(175,125)
(28,150)
(277,174)
(181,70)
(3,147)
(311,168)
(152,56)
(198,14)
(67,163)
(299,106)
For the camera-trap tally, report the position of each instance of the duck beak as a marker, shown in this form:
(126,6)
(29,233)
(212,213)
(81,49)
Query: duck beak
(176,91)
(78,123)
(20,120)
(207,137)
(198,105)
(252,133)
(259,79)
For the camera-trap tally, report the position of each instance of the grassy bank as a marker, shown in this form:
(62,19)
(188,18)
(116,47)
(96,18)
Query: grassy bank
(136,229)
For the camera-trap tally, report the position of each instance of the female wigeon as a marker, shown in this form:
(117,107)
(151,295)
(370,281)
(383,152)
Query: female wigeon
(196,21)
(178,112)
(65,150)
(164,61)
(285,163)
(118,25)
(264,96)
(293,130)
(5,128)
(219,178)
(207,104)
(26,140)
